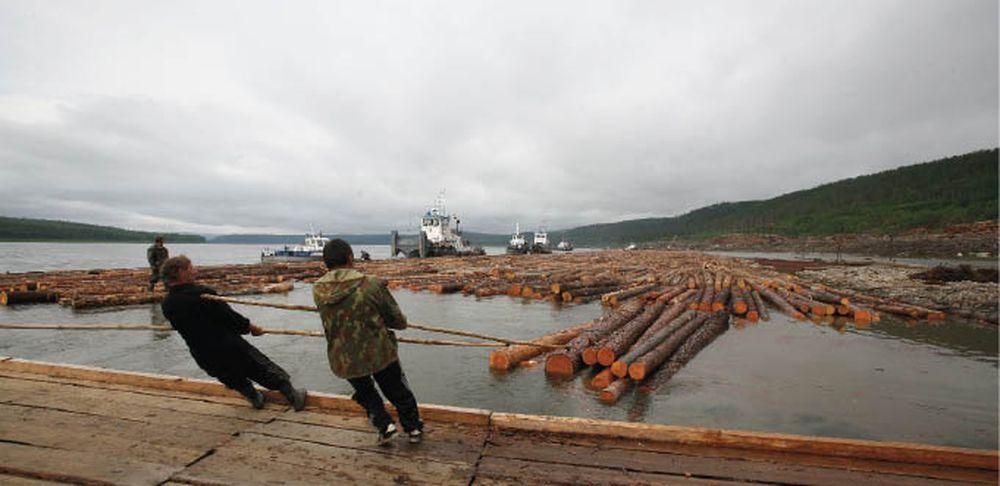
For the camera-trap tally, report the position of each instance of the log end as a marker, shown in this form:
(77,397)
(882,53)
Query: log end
(800,316)
(589,356)
(559,365)
(602,379)
(499,361)
(619,369)
(935,316)
(3,298)
(753,316)
(605,357)
(637,371)
(739,307)
(610,396)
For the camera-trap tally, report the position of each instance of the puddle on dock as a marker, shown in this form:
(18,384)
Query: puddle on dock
(890,381)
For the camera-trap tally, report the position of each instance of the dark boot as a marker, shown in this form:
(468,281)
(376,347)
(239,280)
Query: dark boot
(295,396)
(253,395)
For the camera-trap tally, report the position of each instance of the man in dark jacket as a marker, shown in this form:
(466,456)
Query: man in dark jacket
(212,331)
(156,255)
(358,313)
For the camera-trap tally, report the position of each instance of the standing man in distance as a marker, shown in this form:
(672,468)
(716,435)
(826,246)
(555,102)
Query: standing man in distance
(156,254)
(358,313)
(212,331)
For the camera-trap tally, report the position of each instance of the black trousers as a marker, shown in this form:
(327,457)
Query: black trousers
(393,384)
(254,366)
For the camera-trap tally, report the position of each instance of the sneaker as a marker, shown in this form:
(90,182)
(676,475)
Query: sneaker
(416,436)
(384,436)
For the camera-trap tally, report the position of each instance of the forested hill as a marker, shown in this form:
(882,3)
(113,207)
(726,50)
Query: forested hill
(958,189)
(25,229)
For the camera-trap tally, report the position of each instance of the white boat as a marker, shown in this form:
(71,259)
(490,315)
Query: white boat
(564,246)
(310,249)
(517,245)
(437,237)
(541,242)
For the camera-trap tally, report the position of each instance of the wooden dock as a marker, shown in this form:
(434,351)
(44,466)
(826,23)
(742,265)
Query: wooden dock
(78,425)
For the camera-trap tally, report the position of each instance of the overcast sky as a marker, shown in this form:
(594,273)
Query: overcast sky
(218,117)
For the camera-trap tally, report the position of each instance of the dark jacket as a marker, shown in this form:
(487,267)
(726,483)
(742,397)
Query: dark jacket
(210,328)
(156,255)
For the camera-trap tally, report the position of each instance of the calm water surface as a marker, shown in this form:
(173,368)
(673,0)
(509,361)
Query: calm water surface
(891,381)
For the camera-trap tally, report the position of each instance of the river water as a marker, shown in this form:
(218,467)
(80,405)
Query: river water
(891,380)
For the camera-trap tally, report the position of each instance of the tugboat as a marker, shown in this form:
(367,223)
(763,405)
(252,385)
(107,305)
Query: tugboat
(517,244)
(564,246)
(310,249)
(541,242)
(436,237)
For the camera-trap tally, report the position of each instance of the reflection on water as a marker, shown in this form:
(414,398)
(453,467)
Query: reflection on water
(890,381)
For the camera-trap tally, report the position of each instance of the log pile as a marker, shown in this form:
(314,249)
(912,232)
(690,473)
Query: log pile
(708,284)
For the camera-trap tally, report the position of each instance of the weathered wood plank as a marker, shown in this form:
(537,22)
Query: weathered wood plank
(450,448)
(162,411)
(62,465)
(498,470)
(90,433)
(8,480)
(848,448)
(734,469)
(258,459)
(474,433)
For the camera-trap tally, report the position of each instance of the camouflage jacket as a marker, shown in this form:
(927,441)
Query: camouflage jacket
(156,255)
(357,312)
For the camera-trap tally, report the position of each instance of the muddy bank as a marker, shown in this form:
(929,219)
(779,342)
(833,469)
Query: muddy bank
(969,299)
(975,241)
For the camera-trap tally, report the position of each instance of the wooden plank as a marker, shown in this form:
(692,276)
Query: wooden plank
(849,448)
(499,470)
(734,469)
(8,480)
(256,459)
(173,383)
(460,449)
(163,411)
(855,464)
(360,422)
(90,433)
(62,465)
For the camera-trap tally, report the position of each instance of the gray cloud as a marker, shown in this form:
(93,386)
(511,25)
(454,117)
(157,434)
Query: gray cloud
(215,117)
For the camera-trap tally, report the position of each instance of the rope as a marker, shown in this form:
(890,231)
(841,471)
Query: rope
(285,332)
(413,325)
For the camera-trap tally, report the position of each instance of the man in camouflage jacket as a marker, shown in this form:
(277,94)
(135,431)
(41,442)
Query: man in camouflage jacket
(156,255)
(358,313)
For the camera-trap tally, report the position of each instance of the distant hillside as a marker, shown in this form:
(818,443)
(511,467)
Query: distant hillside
(25,229)
(485,239)
(257,239)
(958,189)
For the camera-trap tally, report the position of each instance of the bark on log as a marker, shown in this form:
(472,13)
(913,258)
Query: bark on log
(715,326)
(619,342)
(647,363)
(650,340)
(566,363)
(614,391)
(27,297)
(511,356)
(778,302)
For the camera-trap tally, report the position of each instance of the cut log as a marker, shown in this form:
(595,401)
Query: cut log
(715,326)
(602,379)
(13,297)
(511,356)
(647,363)
(618,342)
(650,339)
(778,302)
(567,362)
(614,391)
